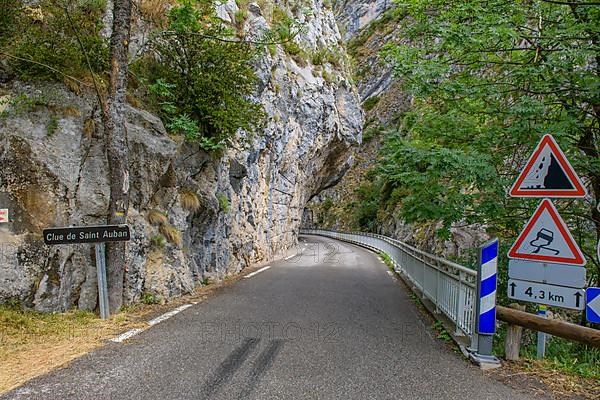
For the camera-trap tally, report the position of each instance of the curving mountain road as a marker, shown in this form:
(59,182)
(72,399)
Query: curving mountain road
(329,323)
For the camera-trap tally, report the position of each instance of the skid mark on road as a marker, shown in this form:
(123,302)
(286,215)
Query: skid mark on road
(262,364)
(228,367)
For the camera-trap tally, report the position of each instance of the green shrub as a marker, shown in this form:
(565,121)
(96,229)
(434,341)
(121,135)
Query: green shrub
(201,87)
(44,34)
(223,202)
(370,103)
(158,241)
(10,18)
(327,204)
(371,133)
(52,126)
(149,298)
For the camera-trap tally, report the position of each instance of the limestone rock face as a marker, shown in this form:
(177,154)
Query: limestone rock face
(354,15)
(193,216)
(369,25)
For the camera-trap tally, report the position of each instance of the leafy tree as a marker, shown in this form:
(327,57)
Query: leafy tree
(41,43)
(202,78)
(488,79)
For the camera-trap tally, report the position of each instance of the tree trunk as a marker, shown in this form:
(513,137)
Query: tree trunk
(117,151)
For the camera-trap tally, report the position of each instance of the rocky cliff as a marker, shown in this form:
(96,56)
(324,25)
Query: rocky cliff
(352,205)
(194,216)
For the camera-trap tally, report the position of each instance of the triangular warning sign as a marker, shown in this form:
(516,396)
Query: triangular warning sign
(546,238)
(548,173)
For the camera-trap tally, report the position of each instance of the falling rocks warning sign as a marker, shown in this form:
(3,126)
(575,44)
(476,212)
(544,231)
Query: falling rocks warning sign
(548,173)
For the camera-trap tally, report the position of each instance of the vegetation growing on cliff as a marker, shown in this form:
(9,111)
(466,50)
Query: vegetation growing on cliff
(201,78)
(40,43)
(198,75)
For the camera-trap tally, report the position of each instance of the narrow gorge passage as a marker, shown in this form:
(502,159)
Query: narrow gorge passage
(294,331)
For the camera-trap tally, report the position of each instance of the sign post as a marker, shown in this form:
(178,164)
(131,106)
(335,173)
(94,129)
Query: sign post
(98,235)
(485,323)
(541,336)
(545,264)
(102,285)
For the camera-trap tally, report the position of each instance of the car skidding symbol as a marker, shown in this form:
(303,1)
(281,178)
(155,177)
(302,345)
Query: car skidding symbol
(542,240)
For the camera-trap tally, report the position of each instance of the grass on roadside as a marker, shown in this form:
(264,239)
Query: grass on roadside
(387,260)
(32,343)
(562,355)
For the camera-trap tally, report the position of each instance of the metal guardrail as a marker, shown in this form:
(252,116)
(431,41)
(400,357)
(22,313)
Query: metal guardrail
(449,286)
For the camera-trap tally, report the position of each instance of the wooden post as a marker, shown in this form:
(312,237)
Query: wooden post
(512,345)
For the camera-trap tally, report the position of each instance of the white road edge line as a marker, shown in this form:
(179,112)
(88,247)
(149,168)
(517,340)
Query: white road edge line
(292,256)
(168,315)
(124,336)
(132,332)
(251,274)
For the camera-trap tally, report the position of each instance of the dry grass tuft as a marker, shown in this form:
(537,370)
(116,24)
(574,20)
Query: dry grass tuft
(156,217)
(171,234)
(189,200)
(89,127)
(72,112)
(154,11)
(133,101)
(73,86)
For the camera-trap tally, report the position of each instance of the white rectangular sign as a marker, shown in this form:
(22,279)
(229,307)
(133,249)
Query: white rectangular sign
(3,215)
(551,295)
(550,273)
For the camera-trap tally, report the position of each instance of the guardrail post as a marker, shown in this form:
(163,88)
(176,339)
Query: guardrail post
(485,317)
(437,289)
(423,283)
(460,306)
(514,333)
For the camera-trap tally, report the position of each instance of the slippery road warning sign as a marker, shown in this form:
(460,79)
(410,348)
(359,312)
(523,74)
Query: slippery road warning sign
(548,173)
(546,238)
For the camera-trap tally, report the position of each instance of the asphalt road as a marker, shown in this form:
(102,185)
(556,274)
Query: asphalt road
(330,323)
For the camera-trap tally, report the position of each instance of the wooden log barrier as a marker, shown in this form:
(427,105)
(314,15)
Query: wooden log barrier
(561,329)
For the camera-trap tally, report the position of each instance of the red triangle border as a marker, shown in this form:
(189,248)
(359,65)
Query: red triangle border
(546,205)
(578,191)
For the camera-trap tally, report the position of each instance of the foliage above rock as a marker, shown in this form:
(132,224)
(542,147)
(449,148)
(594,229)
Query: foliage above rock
(488,80)
(202,77)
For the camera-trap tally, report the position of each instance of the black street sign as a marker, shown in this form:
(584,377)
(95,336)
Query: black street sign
(87,234)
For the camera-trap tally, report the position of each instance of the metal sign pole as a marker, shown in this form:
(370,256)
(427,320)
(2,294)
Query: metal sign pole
(541,336)
(102,288)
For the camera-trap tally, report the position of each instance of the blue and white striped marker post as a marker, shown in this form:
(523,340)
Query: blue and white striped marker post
(486,303)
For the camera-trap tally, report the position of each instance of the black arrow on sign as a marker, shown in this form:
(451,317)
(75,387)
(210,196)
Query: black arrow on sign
(512,288)
(578,297)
